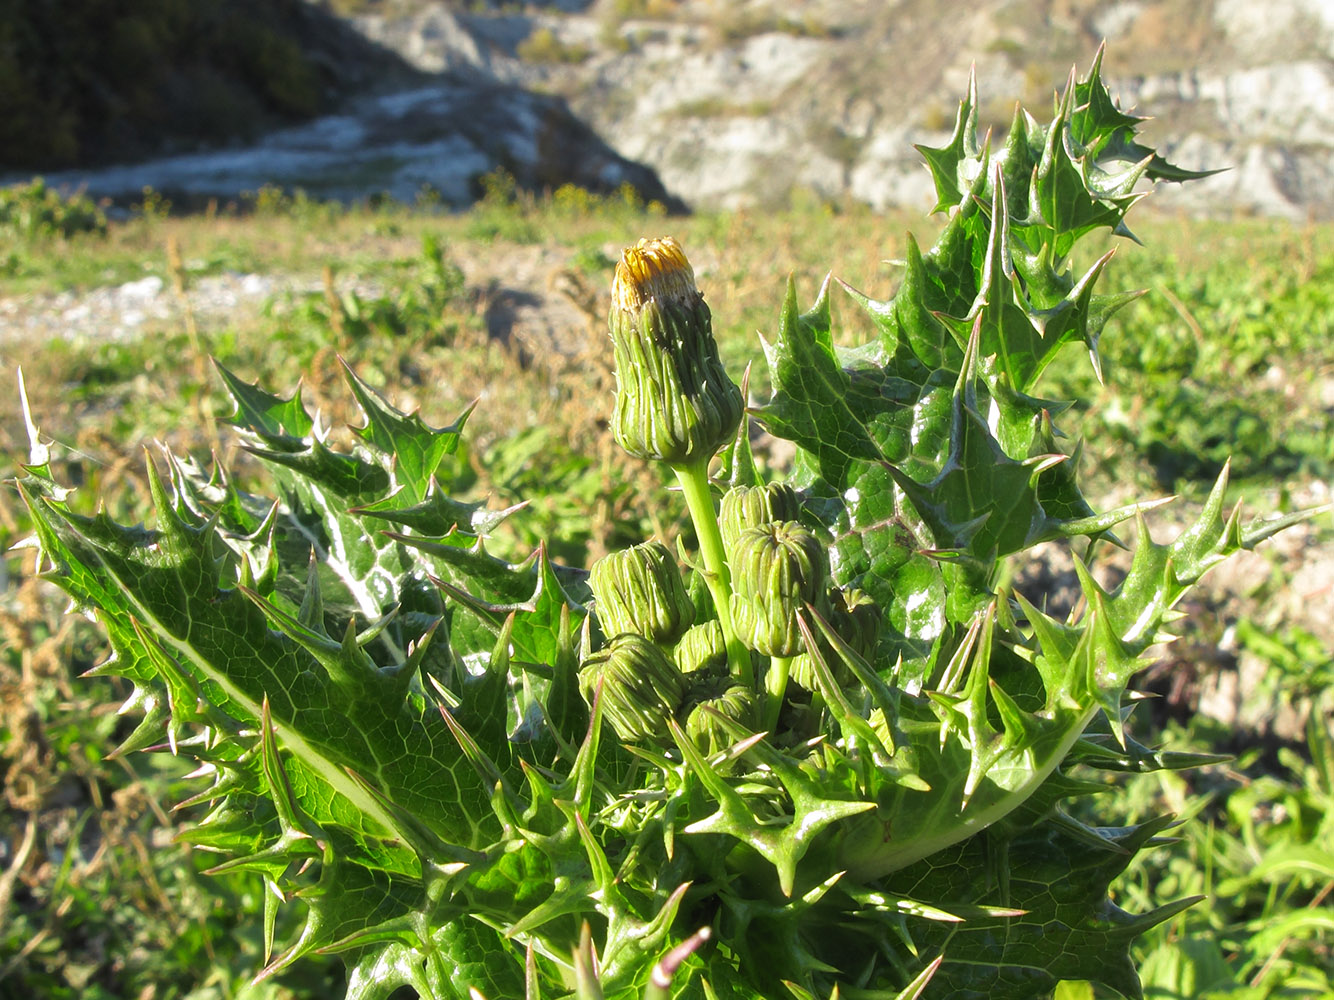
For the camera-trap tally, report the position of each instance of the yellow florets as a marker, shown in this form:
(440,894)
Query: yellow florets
(652,269)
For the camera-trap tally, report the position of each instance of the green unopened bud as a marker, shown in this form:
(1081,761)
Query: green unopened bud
(674,401)
(701,648)
(737,703)
(752,506)
(777,569)
(640,590)
(641,688)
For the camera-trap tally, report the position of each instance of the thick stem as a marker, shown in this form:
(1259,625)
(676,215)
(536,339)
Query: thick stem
(775,684)
(694,480)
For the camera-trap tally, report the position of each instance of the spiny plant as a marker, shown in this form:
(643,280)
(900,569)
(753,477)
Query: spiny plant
(823,752)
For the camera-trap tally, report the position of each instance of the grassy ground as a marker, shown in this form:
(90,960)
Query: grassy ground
(1231,353)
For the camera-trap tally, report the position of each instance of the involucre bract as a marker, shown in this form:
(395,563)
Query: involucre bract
(778,569)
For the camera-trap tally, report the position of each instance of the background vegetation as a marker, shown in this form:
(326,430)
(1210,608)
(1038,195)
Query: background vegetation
(1230,354)
(95,81)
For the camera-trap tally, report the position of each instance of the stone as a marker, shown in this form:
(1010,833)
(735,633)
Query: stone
(444,134)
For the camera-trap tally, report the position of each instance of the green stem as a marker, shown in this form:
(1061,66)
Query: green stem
(694,480)
(775,683)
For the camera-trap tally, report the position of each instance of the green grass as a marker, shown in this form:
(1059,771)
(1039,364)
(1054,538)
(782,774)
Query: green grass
(1259,845)
(1231,353)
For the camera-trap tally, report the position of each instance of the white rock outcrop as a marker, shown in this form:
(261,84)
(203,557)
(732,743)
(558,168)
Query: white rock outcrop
(742,103)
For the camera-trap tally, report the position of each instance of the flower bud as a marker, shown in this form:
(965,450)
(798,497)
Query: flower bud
(777,569)
(752,506)
(640,590)
(641,688)
(701,648)
(674,401)
(707,731)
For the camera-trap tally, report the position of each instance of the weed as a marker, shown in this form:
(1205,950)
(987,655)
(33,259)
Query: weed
(849,773)
(1253,300)
(34,211)
(153,207)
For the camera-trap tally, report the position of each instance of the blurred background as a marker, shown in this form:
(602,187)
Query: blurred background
(728,103)
(436,192)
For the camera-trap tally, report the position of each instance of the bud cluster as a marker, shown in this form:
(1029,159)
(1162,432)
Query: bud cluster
(762,567)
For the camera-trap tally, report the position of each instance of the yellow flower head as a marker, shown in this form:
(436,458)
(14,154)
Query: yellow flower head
(652,269)
(674,401)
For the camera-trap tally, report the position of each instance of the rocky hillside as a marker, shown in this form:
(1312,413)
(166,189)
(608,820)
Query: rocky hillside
(745,102)
(210,100)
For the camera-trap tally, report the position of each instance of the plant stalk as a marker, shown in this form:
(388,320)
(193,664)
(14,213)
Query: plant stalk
(775,684)
(694,480)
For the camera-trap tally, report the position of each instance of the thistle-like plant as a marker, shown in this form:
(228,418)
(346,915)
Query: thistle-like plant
(848,774)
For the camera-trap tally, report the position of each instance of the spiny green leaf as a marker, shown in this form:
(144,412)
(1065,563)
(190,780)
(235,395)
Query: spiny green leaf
(270,418)
(1059,883)
(545,621)
(950,164)
(814,399)
(413,449)
(436,514)
(1098,122)
(217,637)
